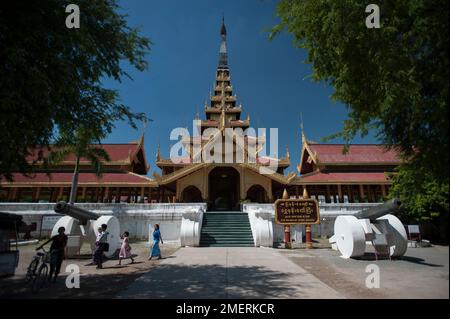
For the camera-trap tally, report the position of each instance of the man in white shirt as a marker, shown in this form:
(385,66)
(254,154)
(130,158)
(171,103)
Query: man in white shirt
(100,246)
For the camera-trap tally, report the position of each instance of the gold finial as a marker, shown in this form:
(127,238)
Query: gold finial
(248,117)
(158,153)
(223,118)
(305,192)
(285,194)
(287,152)
(302,128)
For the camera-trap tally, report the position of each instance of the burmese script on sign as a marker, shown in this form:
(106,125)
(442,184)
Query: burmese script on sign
(297,211)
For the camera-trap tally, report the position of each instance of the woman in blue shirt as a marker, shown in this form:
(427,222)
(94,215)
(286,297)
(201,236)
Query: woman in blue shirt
(156,252)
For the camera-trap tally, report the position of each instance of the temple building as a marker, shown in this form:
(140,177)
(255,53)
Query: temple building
(360,175)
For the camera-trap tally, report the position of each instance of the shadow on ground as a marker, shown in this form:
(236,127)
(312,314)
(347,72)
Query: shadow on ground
(212,281)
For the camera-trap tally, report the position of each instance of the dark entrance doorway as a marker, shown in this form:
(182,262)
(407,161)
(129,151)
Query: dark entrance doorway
(224,188)
(191,194)
(257,194)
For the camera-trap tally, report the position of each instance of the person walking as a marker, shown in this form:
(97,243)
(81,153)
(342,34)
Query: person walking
(156,252)
(101,245)
(57,248)
(125,249)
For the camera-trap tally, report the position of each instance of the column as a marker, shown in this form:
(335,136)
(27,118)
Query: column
(118,194)
(142,195)
(361,192)
(106,196)
(242,183)
(14,194)
(60,194)
(383,191)
(37,194)
(350,193)
(328,193)
(129,195)
(339,192)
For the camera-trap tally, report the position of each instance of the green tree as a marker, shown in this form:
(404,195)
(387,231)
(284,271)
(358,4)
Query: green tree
(82,147)
(51,76)
(393,79)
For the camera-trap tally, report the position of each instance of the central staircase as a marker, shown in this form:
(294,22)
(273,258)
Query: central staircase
(226,229)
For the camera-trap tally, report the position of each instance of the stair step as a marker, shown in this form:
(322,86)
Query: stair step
(224,242)
(228,245)
(218,235)
(226,229)
(226,233)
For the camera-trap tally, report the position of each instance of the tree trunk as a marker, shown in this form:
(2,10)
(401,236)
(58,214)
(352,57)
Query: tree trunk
(73,189)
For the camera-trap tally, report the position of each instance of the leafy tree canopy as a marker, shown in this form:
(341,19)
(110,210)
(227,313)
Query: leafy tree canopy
(50,75)
(393,80)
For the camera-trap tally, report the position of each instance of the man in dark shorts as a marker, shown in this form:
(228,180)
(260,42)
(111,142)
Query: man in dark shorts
(57,248)
(100,245)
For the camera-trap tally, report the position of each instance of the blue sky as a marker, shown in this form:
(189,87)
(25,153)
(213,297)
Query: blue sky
(269,77)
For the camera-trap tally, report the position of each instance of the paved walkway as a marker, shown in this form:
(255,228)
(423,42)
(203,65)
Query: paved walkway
(217,272)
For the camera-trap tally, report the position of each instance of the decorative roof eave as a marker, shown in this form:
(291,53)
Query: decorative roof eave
(168,162)
(87,163)
(282,179)
(298,181)
(360,163)
(306,148)
(141,146)
(170,178)
(219,110)
(303,180)
(146,182)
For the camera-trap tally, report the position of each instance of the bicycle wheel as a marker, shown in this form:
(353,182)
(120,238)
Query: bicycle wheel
(41,278)
(31,270)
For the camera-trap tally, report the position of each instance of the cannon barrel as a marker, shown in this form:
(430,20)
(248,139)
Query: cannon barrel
(391,206)
(75,212)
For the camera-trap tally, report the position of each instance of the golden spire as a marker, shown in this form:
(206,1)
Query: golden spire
(158,153)
(304,141)
(222,118)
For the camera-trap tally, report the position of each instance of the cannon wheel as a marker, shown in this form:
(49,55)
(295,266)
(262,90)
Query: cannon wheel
(400,239)
(350,236)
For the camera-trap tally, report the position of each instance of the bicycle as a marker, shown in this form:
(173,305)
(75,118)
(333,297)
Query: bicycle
(37,271)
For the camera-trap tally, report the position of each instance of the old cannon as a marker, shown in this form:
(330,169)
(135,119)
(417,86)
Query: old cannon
(376,226)
(82,226)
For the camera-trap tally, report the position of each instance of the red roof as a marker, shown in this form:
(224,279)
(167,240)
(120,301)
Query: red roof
(117,152)
(324,177)
(357,153)
(83,178)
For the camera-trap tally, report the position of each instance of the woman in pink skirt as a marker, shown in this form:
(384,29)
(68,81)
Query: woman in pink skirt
(125,249)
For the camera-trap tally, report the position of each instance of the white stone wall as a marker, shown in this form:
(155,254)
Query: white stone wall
(262,214)
(137,219)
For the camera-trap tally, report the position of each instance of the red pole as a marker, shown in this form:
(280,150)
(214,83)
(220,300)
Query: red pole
(287,228)
(309,243)
(308,235)
(287,237)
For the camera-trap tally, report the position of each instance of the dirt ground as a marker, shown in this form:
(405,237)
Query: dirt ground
(94,283)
